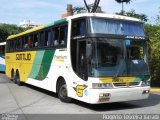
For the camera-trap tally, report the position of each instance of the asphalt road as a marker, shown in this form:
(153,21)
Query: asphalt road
(27,99)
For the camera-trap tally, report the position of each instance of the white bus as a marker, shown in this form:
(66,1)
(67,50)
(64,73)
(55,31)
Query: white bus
(2,56)
(92,57)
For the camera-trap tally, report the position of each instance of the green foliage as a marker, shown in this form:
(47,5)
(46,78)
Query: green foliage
(3,35)
(132,13)
(78,9)
(153,33)
(7,29)
(158,18)
(90,8)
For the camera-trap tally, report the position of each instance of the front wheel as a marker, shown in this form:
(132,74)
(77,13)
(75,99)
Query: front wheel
(62,92)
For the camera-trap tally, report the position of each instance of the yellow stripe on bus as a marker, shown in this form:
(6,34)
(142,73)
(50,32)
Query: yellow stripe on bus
(25,32)
(118,79)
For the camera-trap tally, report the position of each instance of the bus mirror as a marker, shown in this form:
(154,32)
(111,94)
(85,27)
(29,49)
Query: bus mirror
(89,50)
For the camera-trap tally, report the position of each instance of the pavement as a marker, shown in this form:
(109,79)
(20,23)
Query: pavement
(29,101)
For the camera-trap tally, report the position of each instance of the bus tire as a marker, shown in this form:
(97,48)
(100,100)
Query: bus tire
(12,75)
(62,92)
(17,79)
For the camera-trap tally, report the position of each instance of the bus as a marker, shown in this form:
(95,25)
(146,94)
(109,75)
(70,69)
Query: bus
(91,57)
(2,56)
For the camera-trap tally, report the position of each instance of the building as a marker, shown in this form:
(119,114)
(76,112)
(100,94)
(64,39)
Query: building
(29,23)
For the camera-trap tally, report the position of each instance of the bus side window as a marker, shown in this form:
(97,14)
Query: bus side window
(82,28)
(22,42)
(56,40)
(51,41)
(78,27)
(14,44)
(30,41)
(25,43)
(42,39)
(48,38)
(63,35)
(35,41)
(19,44)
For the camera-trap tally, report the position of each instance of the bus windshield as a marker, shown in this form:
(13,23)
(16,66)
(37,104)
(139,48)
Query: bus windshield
(117,27)
(112,57)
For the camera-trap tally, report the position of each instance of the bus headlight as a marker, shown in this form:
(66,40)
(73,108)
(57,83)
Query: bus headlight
(102,85)
(145,83)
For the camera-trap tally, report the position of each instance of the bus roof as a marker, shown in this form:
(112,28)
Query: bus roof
(37,28)
(104,15)
(101,15)
(2,43)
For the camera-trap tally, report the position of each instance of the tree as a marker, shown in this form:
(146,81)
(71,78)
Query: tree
(132,13)
(122,2)
(3,35)
(8,29)
(153,33)
(158,18)
(79,9)
(90,8)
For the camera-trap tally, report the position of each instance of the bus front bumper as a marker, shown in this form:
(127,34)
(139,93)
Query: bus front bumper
(97,96)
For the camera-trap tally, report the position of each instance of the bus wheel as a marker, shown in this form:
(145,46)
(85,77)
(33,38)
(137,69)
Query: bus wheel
(62,92)
(12,75)
(17,79)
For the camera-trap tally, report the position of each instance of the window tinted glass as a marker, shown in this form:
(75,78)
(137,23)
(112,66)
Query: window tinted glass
(35,40)
(79,27)
(106,26)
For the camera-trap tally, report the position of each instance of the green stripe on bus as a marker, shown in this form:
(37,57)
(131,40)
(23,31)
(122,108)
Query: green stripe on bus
(42,64)
(36,65)
(140,78)
(55,23)
(45,65)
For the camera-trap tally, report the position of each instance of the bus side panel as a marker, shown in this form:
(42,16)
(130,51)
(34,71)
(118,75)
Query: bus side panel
(41,66)
(21,61)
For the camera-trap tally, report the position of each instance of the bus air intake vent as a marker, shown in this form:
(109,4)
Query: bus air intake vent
(126,84)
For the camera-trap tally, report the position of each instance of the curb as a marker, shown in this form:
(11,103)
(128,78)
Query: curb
(155,89)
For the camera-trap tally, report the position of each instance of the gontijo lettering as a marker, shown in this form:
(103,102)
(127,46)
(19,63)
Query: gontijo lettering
(23,56)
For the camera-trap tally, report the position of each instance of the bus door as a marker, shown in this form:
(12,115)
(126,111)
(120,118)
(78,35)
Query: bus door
(81,59)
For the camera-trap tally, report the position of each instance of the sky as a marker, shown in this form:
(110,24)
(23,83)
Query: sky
(46,11)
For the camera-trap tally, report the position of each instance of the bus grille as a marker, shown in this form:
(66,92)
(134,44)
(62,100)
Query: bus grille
(126,84)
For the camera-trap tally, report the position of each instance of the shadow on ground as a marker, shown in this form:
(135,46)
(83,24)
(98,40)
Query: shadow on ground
(153,100)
